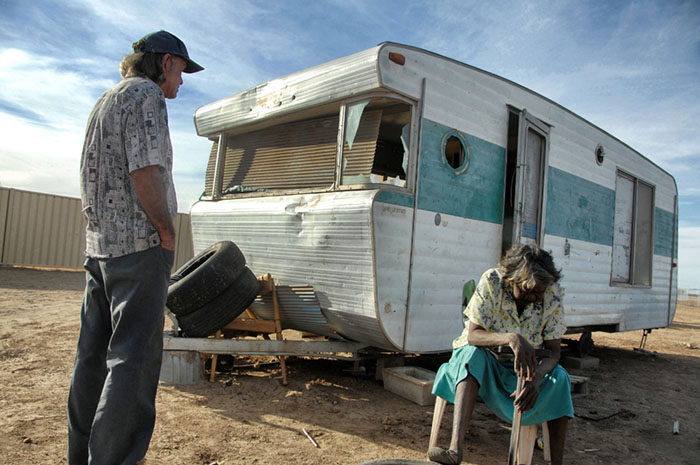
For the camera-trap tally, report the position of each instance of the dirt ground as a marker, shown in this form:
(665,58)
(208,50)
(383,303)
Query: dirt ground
(248,416)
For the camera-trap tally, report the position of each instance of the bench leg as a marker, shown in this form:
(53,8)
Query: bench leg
(526,444)
(437,420)
(545,444)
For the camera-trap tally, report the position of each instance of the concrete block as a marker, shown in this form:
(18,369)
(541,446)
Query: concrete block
(581,363)
(412,383)
(181,367)
(388,362)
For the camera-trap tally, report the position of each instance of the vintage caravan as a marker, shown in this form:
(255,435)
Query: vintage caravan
(386,180)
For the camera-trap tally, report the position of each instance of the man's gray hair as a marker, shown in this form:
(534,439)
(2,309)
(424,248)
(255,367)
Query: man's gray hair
(146,64)
(528,267)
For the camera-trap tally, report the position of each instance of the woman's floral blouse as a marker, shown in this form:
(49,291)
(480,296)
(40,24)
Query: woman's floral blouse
(493,308)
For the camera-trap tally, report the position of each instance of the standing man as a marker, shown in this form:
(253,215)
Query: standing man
(129,201)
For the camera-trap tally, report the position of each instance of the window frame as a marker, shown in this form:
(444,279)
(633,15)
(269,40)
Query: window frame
(636,277)
(222,139)
(412,151)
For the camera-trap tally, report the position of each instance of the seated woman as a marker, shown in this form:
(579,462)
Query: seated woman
(518,304)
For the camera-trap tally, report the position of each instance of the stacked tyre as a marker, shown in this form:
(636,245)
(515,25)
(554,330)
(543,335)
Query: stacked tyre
(211,290)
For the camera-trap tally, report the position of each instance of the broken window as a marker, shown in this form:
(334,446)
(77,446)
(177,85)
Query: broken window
(633,234)
(376,142)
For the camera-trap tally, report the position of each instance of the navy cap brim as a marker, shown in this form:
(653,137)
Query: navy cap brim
(192,67)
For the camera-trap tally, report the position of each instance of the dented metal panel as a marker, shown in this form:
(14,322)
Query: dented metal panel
(323,240)
(296,92)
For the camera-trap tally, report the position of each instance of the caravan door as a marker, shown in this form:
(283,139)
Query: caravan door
(530,180)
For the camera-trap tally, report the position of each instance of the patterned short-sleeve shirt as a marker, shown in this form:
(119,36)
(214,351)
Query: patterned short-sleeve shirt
(127,130)
(493,308)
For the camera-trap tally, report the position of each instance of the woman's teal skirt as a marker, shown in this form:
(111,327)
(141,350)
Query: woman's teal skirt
(497,381)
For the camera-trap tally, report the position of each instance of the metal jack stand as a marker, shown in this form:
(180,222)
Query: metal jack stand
(643,343)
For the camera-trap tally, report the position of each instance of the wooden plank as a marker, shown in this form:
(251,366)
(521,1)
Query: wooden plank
(256,326)
(258,346)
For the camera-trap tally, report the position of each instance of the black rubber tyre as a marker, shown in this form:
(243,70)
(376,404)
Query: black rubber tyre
(223,309)
(204,277)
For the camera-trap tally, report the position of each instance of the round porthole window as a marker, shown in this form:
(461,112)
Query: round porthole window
(599,154)
(455,152)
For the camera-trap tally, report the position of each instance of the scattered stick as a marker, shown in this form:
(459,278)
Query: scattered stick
(310,438)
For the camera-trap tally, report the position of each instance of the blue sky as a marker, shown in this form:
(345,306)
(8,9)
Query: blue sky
(630,67)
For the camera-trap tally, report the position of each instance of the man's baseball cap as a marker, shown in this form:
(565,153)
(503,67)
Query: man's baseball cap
(165,42)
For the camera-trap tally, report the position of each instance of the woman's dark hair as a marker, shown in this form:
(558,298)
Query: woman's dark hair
(528,266)
(145,64)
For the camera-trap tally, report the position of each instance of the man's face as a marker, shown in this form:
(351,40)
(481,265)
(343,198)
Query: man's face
(172,71)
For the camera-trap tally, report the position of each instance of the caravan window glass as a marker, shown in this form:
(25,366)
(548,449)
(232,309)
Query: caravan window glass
(292,156)
(376,142)
(633,234)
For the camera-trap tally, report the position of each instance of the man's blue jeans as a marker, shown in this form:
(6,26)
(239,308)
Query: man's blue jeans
(111,404)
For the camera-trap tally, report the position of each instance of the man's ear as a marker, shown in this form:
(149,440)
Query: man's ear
(166,62)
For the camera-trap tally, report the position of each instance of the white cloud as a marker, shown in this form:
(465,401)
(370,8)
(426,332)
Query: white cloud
(39,158)
(689,258)
(38,84)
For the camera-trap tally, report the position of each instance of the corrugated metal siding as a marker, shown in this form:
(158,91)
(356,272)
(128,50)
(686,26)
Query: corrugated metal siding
(302,90)
(49,230)
(323,240)
(43,230)
(4,205)
(299,309)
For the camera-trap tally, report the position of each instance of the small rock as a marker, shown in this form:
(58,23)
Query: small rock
(27,441)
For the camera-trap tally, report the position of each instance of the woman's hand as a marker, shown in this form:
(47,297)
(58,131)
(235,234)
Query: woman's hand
(528,395)
(525,362)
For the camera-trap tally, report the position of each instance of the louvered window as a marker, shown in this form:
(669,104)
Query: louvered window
(302,154)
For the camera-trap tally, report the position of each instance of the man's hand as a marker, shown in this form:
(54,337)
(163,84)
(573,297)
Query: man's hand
(167,241)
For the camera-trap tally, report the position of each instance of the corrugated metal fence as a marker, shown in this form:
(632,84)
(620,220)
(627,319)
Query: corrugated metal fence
(49,231)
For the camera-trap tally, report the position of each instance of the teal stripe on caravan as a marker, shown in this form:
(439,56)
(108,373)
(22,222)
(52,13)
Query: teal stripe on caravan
(579,209)
(663,233)
(477,193)
(395,198)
